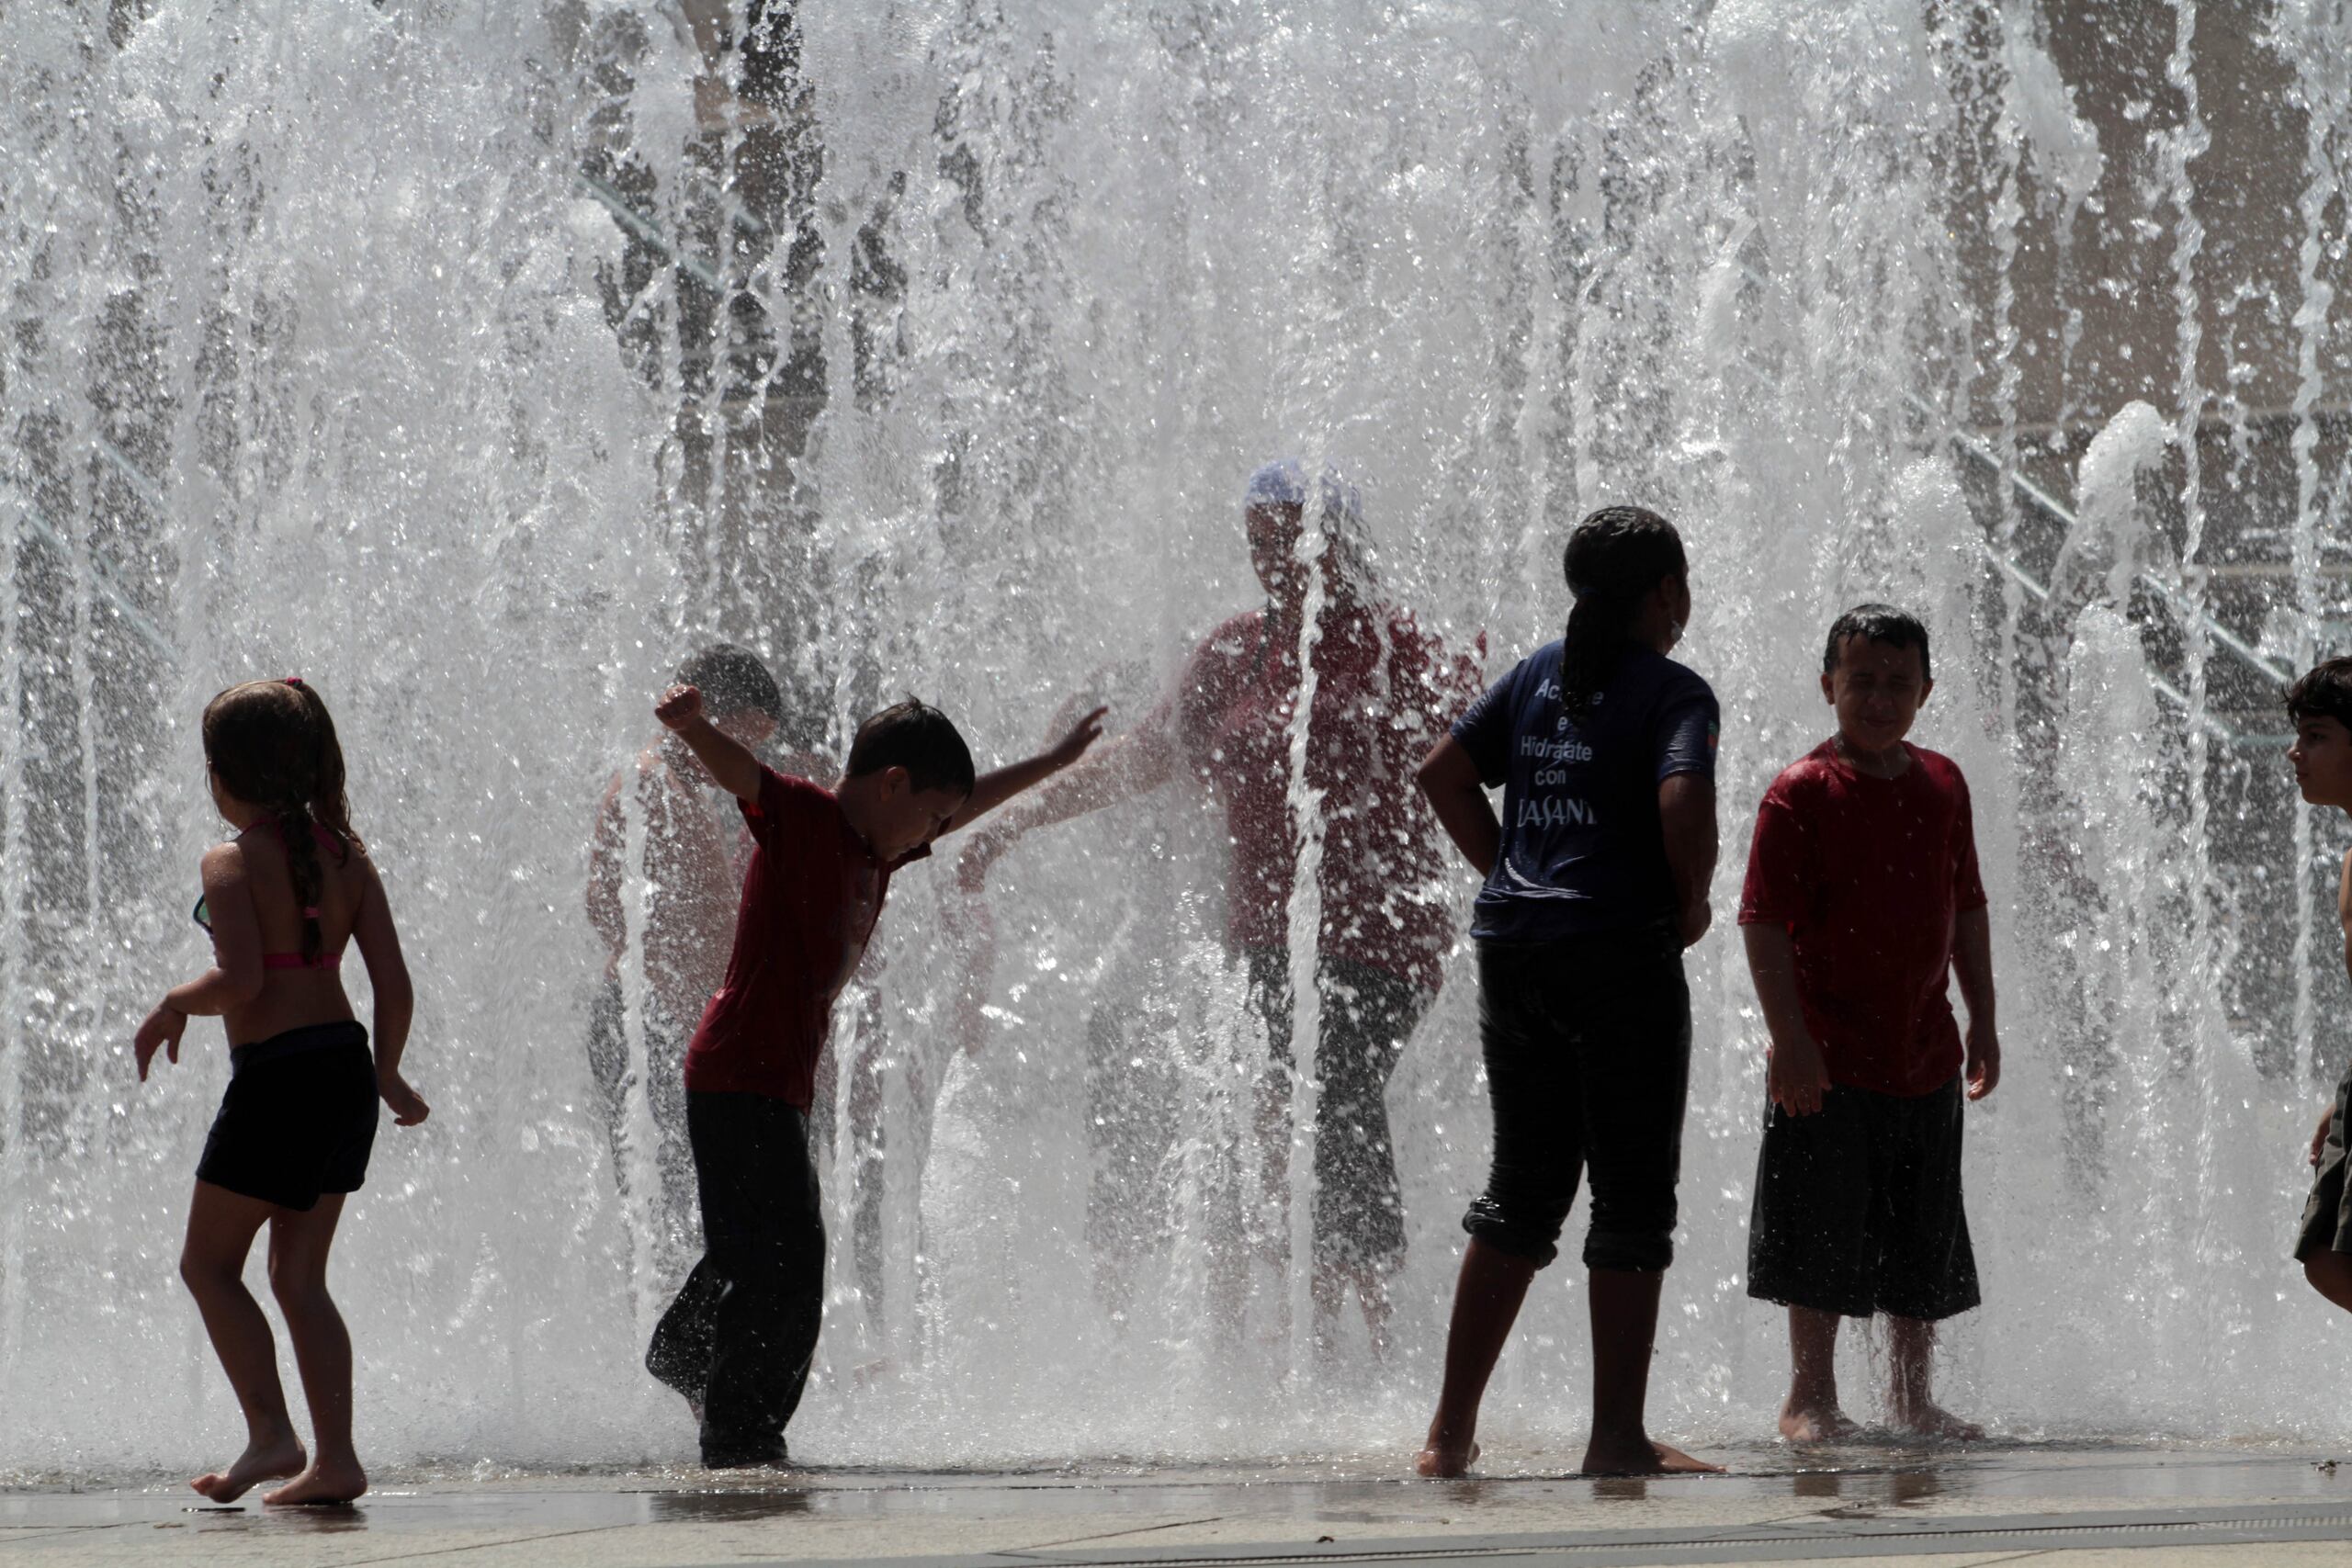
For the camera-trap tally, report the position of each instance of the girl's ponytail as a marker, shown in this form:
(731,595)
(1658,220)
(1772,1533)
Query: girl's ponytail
(327,802)
(1614,560)
(296,829)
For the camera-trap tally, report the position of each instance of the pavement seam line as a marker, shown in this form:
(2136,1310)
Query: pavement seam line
(1111,1535)
(486,1545)
(39,1532)
(1735,1545)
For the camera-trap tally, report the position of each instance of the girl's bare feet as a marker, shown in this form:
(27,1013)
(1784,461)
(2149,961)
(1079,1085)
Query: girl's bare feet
(1445,1463)
(1817,1423)
(1931,1420)
(260,1461)
(337,1480)
(1640,1457)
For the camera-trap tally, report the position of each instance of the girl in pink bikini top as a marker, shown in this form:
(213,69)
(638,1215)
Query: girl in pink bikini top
(298,1120)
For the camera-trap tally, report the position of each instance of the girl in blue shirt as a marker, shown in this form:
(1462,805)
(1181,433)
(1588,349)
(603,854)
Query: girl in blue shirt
(1597,876)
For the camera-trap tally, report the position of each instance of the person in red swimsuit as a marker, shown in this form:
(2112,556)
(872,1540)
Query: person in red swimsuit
(1384,689)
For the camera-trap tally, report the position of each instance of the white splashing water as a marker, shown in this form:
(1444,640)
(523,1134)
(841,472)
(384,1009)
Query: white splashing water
(313,367)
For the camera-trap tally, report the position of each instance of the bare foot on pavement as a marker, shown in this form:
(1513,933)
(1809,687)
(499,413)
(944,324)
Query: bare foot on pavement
(260,1461)
(323,1482)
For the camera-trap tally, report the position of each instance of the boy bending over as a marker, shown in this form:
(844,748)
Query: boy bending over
(739,1340)
(1862,893)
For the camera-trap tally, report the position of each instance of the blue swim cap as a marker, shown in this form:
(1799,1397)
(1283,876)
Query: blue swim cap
(1283,483)
(1279,483)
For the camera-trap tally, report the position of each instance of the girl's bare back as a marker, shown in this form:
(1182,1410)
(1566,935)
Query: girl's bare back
(292,997)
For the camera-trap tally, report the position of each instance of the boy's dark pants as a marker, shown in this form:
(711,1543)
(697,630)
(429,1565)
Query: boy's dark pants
(2327,1215)
(1858,1207)
(1367,1015)
(1588,1048)
(743,1332)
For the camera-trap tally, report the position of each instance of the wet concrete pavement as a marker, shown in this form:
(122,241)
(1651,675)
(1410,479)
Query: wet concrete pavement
(2060,1504)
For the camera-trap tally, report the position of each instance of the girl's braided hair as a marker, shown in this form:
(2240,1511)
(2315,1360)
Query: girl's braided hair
(272,744)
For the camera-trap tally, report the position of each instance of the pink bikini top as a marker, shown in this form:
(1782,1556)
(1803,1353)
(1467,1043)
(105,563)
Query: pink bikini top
(296,960)
(311,912)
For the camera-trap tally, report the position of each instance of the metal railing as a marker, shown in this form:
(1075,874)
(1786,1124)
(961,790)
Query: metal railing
(116,597)
(2167,593)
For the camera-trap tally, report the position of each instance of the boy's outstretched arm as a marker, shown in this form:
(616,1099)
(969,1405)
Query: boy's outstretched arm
(730,760)
(1972,955)
(1130,764)
(1448,777)
(993,789)
(1796,1076)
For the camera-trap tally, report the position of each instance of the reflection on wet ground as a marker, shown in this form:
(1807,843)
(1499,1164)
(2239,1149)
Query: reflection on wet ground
(728,1507)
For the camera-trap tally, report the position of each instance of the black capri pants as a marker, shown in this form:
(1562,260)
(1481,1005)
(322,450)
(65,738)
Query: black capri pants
(740,1335)
(1587,1049)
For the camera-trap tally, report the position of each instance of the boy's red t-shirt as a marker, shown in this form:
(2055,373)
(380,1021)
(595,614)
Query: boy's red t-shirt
(1868,874)
(810,899)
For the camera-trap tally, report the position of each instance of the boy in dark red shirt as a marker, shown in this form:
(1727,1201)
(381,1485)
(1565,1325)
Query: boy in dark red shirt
(2321,706)
(739,1340)
(1862,896)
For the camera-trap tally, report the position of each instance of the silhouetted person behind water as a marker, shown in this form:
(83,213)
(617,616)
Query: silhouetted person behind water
(715,294)
(1384,688)
(693,852)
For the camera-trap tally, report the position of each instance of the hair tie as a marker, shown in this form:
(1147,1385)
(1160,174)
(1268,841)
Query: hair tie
(295,681)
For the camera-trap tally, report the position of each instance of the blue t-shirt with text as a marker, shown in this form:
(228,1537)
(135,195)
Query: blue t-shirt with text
(1583,851)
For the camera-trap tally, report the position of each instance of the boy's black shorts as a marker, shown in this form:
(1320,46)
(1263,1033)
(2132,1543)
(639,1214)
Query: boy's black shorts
(2327,1223)
(1858,1207)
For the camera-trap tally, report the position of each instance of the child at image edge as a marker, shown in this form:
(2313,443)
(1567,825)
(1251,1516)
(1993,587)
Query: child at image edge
(2321,706)
(738,1341)
(298,1122)
(1862,896)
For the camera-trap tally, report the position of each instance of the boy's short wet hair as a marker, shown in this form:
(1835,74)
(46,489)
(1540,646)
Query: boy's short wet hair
(1877,623)
(2324,692)
(733,681)
(919,737)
